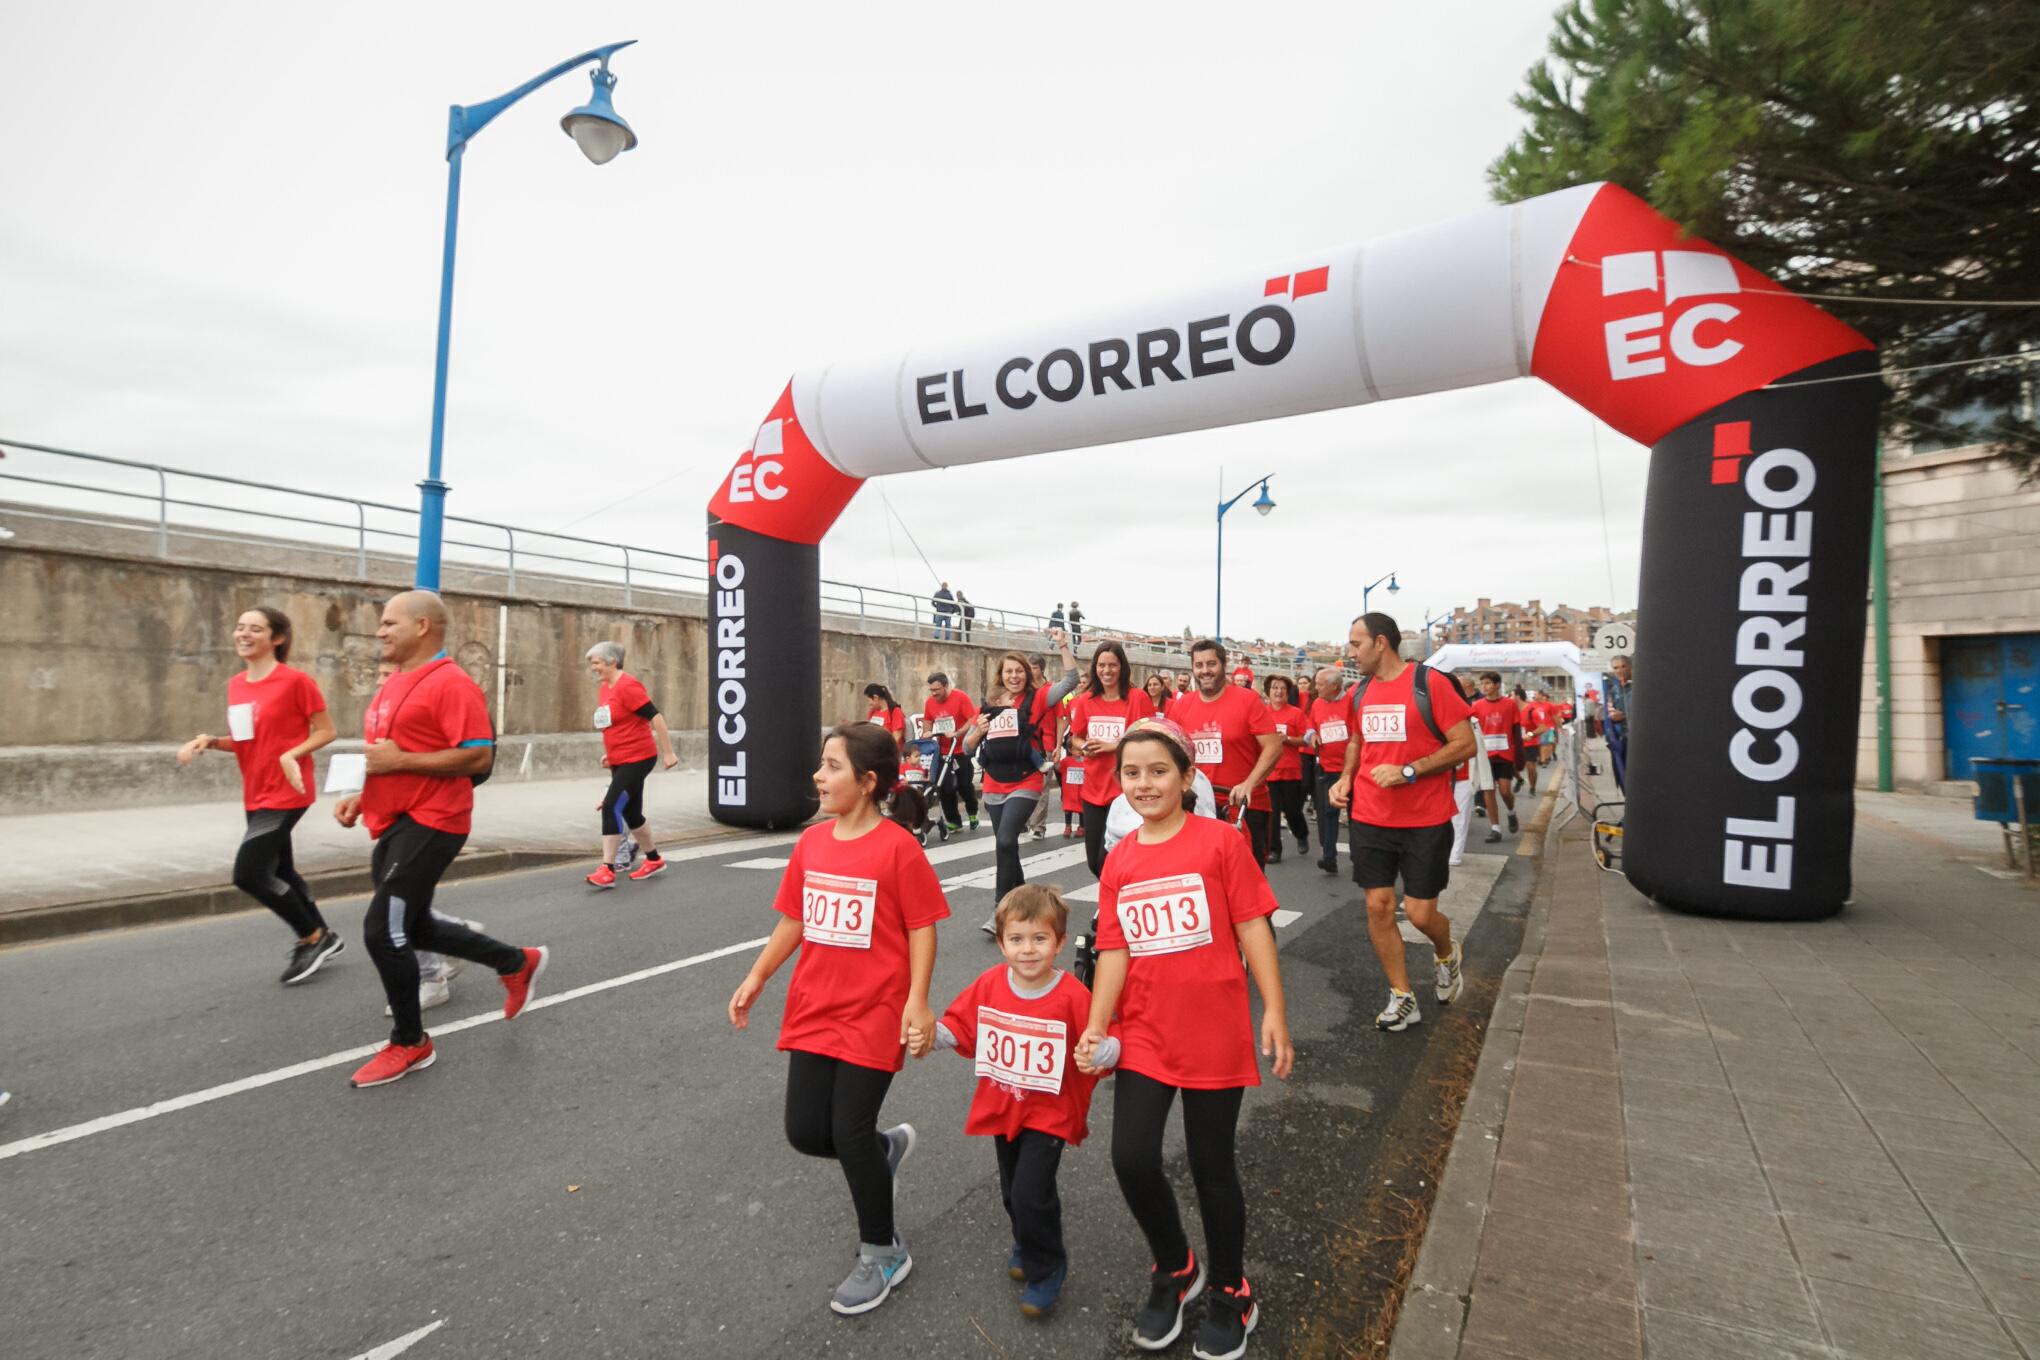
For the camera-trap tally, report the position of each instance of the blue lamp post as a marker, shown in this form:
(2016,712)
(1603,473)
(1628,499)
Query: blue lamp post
(1366,590)
(602,136)
(1263,506)
(1431,623)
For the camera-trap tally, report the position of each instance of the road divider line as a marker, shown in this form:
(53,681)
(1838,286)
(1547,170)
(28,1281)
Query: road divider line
(1034,864)
(107,1123)
(390,1350)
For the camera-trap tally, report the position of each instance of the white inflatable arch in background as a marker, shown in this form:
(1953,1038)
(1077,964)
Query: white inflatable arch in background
(1755,527)
(1514,656)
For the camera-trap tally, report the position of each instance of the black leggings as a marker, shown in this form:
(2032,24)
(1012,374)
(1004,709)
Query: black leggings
(832,1111)
(1094,836)
(1140,1113)
(623,807)
(407,863)
(264,870)
(1009,818)
(1287,796)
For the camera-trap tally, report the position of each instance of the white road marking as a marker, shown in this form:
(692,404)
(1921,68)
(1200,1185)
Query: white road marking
(389,1350)
(1282,916)
(1035,865)
(106,1123)
(1087,893)
(937,854)
(759,864)
(710,849)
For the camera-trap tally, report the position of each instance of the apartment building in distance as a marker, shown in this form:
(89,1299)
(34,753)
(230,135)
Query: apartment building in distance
(1507,621)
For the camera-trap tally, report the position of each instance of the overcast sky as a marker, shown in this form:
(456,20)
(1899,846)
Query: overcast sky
(220,231)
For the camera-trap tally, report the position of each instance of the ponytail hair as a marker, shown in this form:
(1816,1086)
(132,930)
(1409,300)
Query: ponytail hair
(871,750)
(279,629)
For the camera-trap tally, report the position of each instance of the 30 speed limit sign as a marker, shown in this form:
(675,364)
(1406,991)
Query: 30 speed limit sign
(1613,639)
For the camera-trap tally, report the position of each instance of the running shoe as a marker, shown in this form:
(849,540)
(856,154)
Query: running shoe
(1038,1298)
(1450,980)
(1040,833)
(627,853)
(1275,850)
(991,925)
(946,831)
(872,1280)
(522,985)
(1013,1266)
(1400,1013)
(393,1062)
(603,877)
(1512,821)
(1160,1320)
(899,1145)
(1303,845)
(1329,865)
(432,991)
(973,823)
(307,959)
(1494,833)
(648,868)
(1231,1315)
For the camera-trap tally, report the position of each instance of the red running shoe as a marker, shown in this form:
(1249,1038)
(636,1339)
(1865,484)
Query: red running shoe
(648,868)
(604,877)
(392,1062)
(522,984)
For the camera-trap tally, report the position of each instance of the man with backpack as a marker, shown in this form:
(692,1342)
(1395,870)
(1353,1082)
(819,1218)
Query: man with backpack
(1409,727)
(429,743)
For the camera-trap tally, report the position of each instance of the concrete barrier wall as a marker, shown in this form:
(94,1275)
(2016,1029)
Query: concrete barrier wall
(108,662)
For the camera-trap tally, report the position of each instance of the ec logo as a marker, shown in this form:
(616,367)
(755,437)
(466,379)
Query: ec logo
(754,478)
(1635,343)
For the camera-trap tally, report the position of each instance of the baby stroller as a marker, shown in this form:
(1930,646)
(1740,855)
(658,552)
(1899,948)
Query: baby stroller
(940,775)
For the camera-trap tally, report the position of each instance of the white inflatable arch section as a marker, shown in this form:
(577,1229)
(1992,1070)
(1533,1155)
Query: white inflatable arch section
(1514,656)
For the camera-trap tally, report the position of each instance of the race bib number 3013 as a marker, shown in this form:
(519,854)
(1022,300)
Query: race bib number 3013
(1106,729)
(835,910)
(1165,915)
(1021,1050)
(1332,734)
(1004,723)
(1384,722)
(1208,747)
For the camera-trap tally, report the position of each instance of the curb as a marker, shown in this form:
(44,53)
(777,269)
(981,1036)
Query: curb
(1435,1299)
(223,899)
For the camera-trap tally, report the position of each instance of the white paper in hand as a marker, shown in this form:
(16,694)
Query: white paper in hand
(346,773)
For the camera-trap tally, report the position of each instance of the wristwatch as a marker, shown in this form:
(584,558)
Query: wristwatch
(1409,774)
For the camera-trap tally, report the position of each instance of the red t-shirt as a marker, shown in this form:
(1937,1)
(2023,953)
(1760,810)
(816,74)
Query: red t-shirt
(1042,719)
(1183,1018)
(856,900)
(1071,777)
(625,736)
(280,705)
(1391,733)
(1289,722)
(893,720)
(1027,1076)
(957,708)
(1330,719)
(1111,717)
(1224,735)
(434,708)
(1498,720)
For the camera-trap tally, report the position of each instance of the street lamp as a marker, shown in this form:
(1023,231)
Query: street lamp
(1431,623)
(1368,589)
(1261,506)
(602,136)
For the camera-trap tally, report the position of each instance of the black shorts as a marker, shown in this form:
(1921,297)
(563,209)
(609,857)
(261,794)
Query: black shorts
(1503,766)
(1420,855)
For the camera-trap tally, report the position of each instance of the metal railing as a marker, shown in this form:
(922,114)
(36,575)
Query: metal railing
(204,509)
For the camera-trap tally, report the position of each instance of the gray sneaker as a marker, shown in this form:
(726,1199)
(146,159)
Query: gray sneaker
(871,1282)
(899,1145)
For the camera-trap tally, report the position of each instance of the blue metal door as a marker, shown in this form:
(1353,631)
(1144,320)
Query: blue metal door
(1990,699)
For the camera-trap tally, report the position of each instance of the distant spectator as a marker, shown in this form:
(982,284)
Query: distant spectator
(945,611)
(1056,620)
(1620,671)
(1076,625)
(969,613)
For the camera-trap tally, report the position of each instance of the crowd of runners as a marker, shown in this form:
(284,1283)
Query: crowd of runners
(1183,789)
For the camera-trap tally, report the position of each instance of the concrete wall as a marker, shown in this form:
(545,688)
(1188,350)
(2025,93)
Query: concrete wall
(108,661)
(1962,540)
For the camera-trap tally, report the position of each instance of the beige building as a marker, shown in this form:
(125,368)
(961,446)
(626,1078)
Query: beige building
(1489,621)
(1962,537)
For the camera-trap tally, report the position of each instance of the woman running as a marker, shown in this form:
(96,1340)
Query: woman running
(1285,781)
(1102,714)
(1180,904)
(276,718)
(886,712)
(1010,738)
(859,901)
(634,739)
(1158,691)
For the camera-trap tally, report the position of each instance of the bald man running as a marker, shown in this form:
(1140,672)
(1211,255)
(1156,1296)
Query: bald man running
(428,736)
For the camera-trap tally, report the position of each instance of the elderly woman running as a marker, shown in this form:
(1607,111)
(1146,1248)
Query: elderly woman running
(634,738)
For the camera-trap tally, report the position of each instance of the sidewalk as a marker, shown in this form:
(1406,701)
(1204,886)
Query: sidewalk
(1713,1140)
(184,854)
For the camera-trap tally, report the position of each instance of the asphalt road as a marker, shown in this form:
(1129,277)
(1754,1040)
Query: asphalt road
(607,1175)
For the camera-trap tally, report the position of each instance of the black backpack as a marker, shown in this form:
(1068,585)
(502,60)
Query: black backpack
(1012,759)
(1420,695)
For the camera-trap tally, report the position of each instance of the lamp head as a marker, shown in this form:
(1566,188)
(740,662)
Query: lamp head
(596,127)
(1392,586)
(1264,504)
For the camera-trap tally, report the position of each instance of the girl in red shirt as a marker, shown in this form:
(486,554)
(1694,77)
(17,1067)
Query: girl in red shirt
(1017,1021)
(1285,781)
(859,902)
(1180,902)
(886,712)
(1104,709)
(277,718)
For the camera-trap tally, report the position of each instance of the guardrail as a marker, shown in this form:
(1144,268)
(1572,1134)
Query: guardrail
(212,507)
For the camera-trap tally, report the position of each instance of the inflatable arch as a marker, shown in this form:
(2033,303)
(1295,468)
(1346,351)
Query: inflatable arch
(1756,518)
(1521,656)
